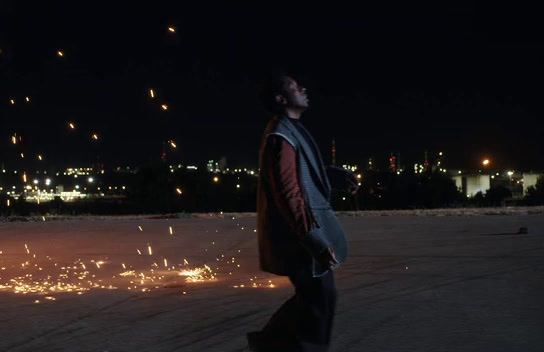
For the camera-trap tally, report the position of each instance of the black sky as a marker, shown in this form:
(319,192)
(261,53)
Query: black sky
(463,78)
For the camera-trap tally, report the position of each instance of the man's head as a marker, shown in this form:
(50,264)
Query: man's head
(280,93)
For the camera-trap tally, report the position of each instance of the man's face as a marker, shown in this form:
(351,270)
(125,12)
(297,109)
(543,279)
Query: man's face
(294,96)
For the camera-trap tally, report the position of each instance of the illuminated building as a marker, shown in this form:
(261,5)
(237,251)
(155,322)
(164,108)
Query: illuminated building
(530,179)
(333,152)
(469,185)
(394,162)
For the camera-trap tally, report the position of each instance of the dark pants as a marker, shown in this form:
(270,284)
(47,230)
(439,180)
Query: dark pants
(304,322)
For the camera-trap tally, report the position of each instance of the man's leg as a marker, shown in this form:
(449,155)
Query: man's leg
(304,322)
(316,302)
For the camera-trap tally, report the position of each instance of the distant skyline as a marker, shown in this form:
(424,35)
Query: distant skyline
(464,79)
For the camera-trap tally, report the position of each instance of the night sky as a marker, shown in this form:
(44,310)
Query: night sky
(465,79)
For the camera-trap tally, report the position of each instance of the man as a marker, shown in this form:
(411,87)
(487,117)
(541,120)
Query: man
(298,232)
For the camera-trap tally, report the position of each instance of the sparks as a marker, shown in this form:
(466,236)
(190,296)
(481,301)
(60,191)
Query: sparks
(165,263)
(95,136)
(27,98)
(171,231)
(172,29)
(60,53)
(72,125)
(149,249)
(140,228)
(164,107)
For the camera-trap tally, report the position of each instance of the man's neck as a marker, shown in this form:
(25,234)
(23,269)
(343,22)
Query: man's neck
(293,113)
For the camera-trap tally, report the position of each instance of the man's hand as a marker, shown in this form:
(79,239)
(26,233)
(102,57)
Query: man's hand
(353,183)
(327,258)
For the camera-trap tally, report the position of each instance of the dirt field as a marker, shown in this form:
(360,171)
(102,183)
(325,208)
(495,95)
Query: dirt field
(414,282)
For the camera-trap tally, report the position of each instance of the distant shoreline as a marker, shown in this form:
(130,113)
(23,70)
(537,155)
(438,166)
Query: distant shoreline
(535,210)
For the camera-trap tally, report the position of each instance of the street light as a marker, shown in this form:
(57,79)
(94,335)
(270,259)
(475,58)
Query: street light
(485,162)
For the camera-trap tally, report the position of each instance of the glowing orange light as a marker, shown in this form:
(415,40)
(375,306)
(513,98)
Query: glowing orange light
(22,155)
(39,157)
(95,136)
(152,93)
(12,101)
(164,107)
(13,139)
(59,53)
(27,98)
(216,179)
(172,29)
(173,144)
(485,162)
(179,190)
(72,125)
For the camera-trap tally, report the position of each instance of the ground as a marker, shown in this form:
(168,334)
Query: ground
(413,282)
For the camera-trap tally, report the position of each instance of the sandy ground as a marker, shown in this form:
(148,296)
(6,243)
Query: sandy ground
(413,282)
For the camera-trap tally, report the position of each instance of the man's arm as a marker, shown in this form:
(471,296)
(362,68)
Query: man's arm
(342,179)
(280,158)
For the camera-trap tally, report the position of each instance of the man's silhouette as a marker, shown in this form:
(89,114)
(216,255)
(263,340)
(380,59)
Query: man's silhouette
(299,234)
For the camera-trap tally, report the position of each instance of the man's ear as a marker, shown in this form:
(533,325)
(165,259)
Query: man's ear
(280,99)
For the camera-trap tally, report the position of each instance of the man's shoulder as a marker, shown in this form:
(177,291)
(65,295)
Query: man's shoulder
(278,129)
